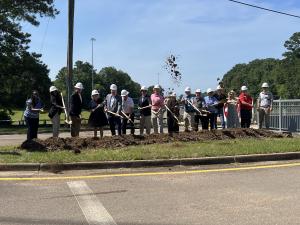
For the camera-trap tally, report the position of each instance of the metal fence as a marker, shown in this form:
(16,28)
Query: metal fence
(286,115)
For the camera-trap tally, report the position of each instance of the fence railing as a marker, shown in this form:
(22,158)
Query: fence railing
(285,115)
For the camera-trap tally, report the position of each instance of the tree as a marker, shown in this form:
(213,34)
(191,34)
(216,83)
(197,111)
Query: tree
(21,71)
(283,75)
(82,72)
(109,75)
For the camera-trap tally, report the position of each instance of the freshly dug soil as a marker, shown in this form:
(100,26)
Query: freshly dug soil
(76,144)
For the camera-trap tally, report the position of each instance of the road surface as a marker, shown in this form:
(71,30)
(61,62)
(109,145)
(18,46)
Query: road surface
(211,195)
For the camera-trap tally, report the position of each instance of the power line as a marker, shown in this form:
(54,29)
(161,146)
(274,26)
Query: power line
(266,9)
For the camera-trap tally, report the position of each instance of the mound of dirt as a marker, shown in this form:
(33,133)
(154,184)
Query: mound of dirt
(76,144)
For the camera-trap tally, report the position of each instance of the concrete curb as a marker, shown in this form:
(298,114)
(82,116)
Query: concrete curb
(149,163)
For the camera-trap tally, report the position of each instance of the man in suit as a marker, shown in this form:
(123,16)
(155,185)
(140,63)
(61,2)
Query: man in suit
(113,104)
(145,111)
(75,110)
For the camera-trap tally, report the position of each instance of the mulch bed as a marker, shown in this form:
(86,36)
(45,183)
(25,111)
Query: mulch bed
(77,144)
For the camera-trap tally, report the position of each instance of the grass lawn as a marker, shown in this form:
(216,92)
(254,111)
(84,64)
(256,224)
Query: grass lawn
(157,151)
(43,117)
(17,116)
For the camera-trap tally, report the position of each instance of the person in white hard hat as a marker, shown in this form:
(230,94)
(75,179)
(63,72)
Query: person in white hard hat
(34,106)
(198,102)
(189,111)
(113,104)
(55,110)
(157,110)
(145,111)
(97,118)
(264,106)
(221,97)
(246,105)
(172,113)
(75,109)
(210,104)
(127,112)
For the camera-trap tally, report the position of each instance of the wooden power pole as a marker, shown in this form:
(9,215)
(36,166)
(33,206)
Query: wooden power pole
(70,50)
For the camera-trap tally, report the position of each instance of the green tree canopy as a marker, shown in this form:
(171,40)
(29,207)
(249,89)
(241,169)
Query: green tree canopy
(21,71)
(282,75)
(109,75)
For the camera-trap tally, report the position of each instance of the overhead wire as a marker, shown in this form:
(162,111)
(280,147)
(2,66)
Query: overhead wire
(266,9)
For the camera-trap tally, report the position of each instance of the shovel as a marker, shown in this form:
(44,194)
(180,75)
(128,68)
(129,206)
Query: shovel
(67,120)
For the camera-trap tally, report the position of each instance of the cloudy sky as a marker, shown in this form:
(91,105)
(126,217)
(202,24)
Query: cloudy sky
(136,36)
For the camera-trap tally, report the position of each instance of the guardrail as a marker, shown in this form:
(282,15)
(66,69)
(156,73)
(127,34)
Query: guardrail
(285,115)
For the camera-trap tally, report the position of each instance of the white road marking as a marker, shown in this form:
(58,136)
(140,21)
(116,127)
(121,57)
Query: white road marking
(92,208)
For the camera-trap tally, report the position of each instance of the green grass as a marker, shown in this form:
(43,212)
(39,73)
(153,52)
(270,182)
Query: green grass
(157,151)
(17,116)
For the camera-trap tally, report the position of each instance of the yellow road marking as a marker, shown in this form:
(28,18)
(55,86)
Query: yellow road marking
(147,173)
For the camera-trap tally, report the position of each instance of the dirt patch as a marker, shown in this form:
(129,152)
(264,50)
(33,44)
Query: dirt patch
(76,144)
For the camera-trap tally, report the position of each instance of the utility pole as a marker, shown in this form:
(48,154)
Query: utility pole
(71,6)
(92,40)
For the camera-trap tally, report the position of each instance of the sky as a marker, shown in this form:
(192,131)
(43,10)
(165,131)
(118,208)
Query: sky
(136,36)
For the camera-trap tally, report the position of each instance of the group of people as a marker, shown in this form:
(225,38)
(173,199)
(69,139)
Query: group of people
(117,111)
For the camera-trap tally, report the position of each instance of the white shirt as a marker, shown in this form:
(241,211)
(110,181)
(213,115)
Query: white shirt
(127,106)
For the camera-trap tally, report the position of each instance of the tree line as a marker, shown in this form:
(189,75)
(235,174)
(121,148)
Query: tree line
(22,71)
(283,75)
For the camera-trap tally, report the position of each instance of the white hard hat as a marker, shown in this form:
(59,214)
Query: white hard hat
(113,87)
(144,88)
(209,90)
(265,85)
(198,91)
(157,86)
(219,87)
(124,93)
(52,88)
(187,89)
(95,92)
(244,88)
(79,85)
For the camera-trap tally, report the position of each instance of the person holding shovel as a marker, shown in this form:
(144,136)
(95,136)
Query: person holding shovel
(211,103)
(172,106)
(112,106)
(127,112)
(157,110)
(264,106)
(189,111)
(97,118)
(144,106)
(75,110)
(198,102)
(222,98)
(55,109)
(33,108)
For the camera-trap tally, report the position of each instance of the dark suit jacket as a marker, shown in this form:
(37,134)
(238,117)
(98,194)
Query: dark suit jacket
(56,101)
(76,105)
(145,102)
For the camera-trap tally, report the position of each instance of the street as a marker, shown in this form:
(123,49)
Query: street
(225,194)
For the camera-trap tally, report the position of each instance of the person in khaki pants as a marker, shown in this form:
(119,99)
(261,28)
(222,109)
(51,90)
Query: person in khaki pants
(145,111)
(189,111)
(55,109)
(75,110)
(157,110)
(264,106)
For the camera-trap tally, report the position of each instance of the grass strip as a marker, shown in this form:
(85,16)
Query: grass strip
(177,150)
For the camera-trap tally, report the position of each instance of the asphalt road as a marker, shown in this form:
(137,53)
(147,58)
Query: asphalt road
(257,195)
